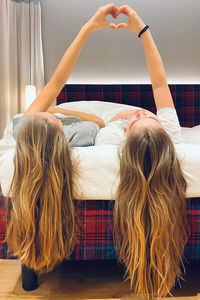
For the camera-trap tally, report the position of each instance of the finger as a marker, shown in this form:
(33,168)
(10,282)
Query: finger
(117,14)
(113,13)
(111,9)
(112,25)
(122,25)
(125,9)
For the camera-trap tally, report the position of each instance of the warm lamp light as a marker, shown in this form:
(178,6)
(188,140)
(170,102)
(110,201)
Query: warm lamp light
(30,95)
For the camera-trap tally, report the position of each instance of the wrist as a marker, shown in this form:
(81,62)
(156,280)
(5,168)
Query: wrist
(143,30)
(145,34)
(87,28)
(141,25)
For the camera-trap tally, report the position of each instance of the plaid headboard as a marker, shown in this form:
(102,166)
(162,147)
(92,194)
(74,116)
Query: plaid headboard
(186,97)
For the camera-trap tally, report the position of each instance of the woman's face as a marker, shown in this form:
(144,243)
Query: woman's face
(50,117)
(142,119)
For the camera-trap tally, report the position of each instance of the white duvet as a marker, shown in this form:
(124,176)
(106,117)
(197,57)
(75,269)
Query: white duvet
(99,164)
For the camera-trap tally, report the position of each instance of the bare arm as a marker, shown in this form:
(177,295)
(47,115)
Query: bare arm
(162,94)
(81,115)
(122,114)
(161,91)
(59,78)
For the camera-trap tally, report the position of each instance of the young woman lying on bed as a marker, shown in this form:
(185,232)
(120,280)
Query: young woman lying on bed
(42,228)
(150,208)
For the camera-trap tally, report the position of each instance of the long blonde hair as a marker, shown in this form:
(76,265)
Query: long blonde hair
(41,230)
(150,212)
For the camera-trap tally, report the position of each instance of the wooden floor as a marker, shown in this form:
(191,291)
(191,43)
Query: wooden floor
(85,280)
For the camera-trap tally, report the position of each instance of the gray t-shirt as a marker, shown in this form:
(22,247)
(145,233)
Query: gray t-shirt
(78,133)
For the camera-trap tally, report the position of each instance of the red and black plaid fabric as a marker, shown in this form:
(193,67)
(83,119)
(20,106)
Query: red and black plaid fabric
(186,97)
(95,240)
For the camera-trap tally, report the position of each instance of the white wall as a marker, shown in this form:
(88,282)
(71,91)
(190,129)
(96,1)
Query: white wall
(117,56)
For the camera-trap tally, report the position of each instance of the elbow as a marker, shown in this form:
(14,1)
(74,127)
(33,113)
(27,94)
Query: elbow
(99,122)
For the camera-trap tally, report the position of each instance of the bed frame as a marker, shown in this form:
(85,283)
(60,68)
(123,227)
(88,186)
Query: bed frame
(95,241)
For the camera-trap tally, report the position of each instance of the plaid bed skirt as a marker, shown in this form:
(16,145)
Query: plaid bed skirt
(95,241)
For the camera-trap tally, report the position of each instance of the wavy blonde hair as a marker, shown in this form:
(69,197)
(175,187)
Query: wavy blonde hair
(41,228)
(150,212)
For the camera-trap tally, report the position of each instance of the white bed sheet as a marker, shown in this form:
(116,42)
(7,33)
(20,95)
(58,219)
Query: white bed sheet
(99,164)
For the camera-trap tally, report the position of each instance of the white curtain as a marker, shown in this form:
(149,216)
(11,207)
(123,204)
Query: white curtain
(20,53)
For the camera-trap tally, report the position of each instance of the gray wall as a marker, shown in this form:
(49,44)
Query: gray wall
(117,56)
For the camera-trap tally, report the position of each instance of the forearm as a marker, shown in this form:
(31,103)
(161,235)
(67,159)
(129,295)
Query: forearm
(116,117)
(123,114)
(60,76)
(154,61)
(70,58)
(81,115)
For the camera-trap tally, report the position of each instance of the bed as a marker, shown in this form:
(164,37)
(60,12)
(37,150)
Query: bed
(95,241)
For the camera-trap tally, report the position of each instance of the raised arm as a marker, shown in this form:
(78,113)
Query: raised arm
(162,94)
(161,91)
(66,65)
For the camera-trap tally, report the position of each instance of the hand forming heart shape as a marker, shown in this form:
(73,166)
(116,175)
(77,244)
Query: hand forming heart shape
(98,21)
